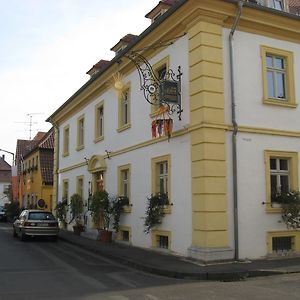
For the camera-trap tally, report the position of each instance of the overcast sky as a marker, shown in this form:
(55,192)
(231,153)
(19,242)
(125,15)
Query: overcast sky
(47,46)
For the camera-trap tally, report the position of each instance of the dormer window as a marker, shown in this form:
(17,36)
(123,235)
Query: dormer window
(160,9)
(276,4)
(123,43)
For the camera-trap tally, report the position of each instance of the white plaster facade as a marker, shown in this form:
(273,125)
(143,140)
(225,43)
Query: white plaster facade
(261,127)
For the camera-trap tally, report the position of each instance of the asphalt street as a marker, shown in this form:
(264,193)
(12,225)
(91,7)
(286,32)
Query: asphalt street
(42,269)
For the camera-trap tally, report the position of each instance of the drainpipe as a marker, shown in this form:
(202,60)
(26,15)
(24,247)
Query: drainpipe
(57,156)
(234,133)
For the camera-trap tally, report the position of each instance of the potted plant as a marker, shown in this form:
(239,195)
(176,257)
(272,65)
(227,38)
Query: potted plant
(280,199)
(61,212)
(155,210)
(291,210)
(76,205)
(101,213)
(117,208)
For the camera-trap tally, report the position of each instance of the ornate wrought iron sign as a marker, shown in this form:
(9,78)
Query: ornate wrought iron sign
(158,91)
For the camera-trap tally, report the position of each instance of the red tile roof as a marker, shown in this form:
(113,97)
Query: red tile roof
(294,6)
(5,171)
(46,165)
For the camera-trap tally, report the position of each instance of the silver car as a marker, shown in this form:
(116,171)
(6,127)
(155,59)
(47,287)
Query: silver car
(32,222)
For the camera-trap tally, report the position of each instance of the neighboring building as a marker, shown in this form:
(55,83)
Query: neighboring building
(237,142)
(36,172)
(5,180)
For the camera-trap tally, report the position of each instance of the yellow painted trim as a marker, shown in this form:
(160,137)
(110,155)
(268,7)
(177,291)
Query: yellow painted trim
(66,140)
(70,168)
(124,127)
(121,125)
(119,233)
(155,233)
(290,75)
(97,136)
(80,139)
(293,158)
(119,180)
(131,148)
(97,163)
(292,233)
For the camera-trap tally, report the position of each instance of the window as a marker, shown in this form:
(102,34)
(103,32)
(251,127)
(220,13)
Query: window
(161,175)
(161,239)
(124,108)
(66,140)
(276,4)
(65,192)
(124,234)
(79,186)
(160,70)
(281,173)
(80,133)
(124,182)
(278,77)
(99,122)
(283,242)
(280,176)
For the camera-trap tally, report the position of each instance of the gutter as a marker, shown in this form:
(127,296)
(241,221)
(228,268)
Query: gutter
(235,131)
(57,156)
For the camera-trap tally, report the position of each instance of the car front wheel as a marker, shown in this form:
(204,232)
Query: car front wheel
(14,233)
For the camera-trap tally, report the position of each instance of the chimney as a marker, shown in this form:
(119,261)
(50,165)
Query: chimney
(3,157)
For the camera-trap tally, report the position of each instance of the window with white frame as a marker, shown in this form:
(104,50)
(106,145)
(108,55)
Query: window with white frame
(276,70)
(276,4)
(161,175)
(124,181)
(124,108)
(99,122)
(66,140)
(279,176)
(80,133)
(278,77)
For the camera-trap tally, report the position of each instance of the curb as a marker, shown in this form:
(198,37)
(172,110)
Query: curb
(210,276)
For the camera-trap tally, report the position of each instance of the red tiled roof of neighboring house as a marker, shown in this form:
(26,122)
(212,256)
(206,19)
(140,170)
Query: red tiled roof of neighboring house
(4,166)
(26,146)
(127,39)
(294,6)
(48,141)
(46,164)
(5,171)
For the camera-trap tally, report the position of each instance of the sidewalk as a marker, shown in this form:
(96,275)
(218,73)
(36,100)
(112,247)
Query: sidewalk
(178,267)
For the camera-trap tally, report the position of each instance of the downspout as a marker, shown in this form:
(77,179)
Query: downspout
(234,133)
(57,158)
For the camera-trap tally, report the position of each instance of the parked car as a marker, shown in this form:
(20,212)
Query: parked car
(3,215)
(32,222)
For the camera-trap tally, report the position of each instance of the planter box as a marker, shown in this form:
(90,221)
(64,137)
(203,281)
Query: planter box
(106,236)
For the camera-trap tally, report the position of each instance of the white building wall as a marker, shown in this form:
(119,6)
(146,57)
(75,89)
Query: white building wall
(254,222)
(3,198)
(179,221)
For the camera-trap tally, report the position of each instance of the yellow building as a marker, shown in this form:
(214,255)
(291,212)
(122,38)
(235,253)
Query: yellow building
(36,180)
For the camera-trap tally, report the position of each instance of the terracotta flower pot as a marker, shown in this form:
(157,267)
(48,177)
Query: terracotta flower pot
(106,236)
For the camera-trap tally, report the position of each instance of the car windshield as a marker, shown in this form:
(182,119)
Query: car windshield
(40,216)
